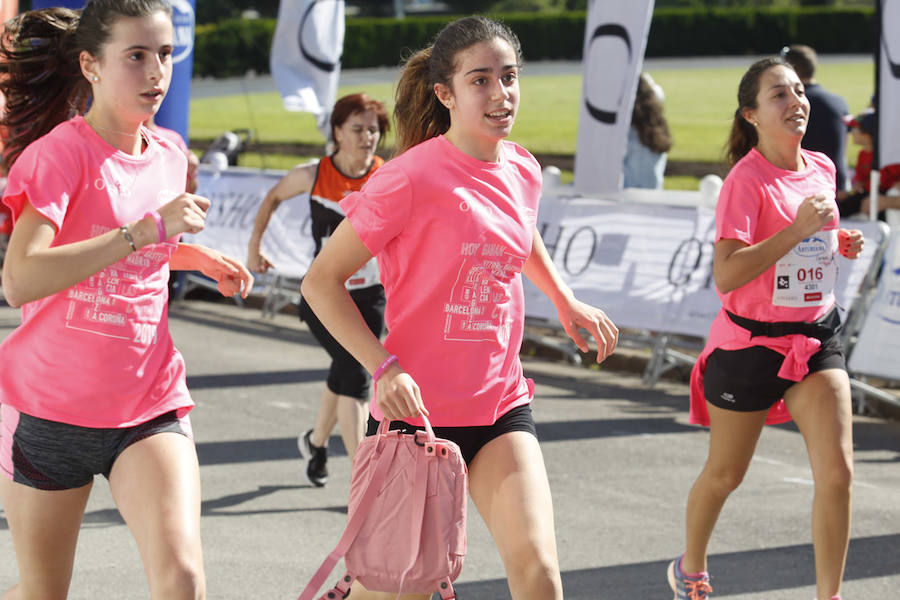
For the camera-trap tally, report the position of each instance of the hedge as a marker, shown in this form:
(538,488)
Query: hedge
(234,47)
(738,31)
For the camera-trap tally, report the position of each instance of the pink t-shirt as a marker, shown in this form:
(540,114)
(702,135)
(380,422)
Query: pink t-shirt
(758,200)
(171,135)
(451,235)
(99,353)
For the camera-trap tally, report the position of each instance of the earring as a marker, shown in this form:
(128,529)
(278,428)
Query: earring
(756,123)
(94,78)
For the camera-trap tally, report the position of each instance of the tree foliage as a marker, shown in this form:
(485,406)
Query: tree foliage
(213,11)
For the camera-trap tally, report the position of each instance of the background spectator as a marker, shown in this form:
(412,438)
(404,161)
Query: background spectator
(862,128)
(649,139)
(825,131)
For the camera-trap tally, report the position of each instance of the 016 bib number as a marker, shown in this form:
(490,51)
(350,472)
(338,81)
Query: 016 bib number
(806,275)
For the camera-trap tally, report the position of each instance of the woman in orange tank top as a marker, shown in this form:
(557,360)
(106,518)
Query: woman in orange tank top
(357,124)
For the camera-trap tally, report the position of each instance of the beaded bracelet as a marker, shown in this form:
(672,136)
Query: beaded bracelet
(383,366)
(160,227)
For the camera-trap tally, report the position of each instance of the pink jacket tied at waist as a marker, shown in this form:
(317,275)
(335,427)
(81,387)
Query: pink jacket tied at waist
(796,348)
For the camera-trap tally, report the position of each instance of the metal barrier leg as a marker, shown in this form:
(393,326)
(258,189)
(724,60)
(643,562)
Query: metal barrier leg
(863,389)
(656,364)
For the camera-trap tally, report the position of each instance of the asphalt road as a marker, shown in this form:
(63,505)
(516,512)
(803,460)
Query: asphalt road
(620,457)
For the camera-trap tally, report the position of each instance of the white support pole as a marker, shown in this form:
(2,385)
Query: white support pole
(874,184)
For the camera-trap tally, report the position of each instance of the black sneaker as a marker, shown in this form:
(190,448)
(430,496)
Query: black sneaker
(316,471)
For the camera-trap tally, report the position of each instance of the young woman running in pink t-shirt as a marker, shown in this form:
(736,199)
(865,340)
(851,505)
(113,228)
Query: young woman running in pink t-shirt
(451,221)
(91,381)
(776,336)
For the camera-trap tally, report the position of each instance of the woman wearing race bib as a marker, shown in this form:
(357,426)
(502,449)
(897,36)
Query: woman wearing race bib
(451,220)
(773,351)
(358,124)
(91,381)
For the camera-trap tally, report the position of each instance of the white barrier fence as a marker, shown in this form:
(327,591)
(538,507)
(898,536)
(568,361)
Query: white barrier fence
(647,263)
(649,266)
(235,196)
(877,351)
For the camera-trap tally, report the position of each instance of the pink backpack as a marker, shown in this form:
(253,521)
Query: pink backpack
(406,520)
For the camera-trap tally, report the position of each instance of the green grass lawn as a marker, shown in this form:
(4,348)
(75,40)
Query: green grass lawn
(265,114)
(699,107)
(700,103)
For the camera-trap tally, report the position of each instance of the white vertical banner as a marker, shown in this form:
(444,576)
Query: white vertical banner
(306,56)
(889,84)
(615,38)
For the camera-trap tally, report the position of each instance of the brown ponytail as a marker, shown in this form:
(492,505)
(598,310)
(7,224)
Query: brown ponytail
(39,76)
(418,114)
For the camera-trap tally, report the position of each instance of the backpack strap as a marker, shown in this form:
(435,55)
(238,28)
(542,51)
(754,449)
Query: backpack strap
(353,526)
(340,590)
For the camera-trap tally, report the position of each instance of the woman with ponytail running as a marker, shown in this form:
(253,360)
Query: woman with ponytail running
(773,351)
(451,221)
(99,207)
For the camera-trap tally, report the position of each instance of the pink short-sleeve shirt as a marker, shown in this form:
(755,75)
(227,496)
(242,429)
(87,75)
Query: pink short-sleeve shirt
(99,353)
(757,201)
(451,235)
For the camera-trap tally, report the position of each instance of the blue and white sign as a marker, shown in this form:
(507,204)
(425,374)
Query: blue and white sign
(175,109)
(73,4)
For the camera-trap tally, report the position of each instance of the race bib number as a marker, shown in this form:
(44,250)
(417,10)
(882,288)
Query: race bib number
(367,275)
(806,275)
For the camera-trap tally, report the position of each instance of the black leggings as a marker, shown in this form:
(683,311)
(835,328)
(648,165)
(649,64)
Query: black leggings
(346,377)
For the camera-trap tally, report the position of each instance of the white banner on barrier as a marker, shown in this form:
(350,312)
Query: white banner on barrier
(648,266)
(877,350)
(235,196)
(614,41)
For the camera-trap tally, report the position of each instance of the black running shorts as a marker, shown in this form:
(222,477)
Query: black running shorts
(346,377)
(747,380)
(473,438)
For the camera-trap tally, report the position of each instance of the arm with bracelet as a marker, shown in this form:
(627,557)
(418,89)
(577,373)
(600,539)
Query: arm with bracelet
(35,268)
(397,394)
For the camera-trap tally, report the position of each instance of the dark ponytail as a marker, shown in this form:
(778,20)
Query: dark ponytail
(418,114)
(39,76)
(40,71)
(743,136)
